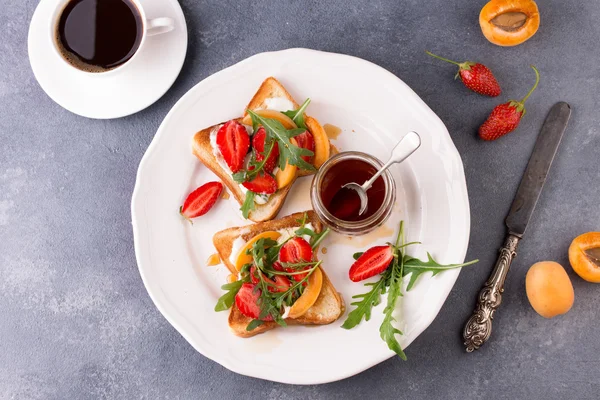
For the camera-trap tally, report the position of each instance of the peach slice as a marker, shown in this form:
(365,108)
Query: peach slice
(322,147)
(584,255)
(309,296)
(509,22)
(276,115)
(287,175)
(243,258)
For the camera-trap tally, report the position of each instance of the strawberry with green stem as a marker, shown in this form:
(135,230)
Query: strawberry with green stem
(475,76)
(505,117)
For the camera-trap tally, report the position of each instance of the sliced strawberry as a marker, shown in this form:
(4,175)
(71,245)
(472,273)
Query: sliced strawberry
(258,143)
(373,262)
(262,184)
(278,284)
(294,251)
(254,275)
(306,141)
(233,143)
(201,200)
(246,301)
(281,284)
(277,266)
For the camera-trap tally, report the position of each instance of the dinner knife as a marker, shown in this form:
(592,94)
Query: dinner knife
(478,328)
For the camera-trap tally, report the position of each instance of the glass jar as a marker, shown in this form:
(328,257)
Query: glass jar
(334,170)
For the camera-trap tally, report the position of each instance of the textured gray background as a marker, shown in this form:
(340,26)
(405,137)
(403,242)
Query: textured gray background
(76,321)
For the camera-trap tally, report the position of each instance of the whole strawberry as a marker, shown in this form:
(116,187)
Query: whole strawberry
(506,117)
(475,76)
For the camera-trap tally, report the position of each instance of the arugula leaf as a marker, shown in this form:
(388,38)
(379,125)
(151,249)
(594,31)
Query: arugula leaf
(367,302)
(298,115)
(416,267)
(387,331)
(255,323)
(248,204)
(288,152)
(226,301)
(356,256)
(315,238)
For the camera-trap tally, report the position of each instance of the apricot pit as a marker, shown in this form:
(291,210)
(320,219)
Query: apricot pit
(584,256)
(509,22)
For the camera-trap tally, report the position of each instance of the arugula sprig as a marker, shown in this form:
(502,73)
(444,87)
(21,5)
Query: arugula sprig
(315,238)
(390,281)
(298,115)
(288,152)
(248,204)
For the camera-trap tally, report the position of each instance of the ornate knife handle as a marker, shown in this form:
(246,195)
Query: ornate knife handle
(479,327)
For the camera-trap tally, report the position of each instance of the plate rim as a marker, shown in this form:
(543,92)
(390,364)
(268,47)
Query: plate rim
(162,307)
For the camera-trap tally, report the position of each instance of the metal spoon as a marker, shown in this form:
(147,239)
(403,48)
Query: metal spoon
(405,147)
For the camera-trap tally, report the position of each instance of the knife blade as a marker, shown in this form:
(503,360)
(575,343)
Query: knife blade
(478,328)
(537,169)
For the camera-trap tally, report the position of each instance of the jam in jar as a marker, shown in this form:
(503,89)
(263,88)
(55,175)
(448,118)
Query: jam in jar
(338,207)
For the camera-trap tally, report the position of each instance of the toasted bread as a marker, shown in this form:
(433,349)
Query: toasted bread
(201,147)
(329,305)
(262,212)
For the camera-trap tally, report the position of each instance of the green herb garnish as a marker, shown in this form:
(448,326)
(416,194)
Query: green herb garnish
(226,301)
(391,281)
(288,152)
(298,115)
(248,204)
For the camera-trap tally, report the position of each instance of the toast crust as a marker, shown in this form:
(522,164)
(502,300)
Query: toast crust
(329,305)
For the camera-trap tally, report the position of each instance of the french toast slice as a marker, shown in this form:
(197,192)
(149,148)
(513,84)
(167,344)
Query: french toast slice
(270,89)
(328,307)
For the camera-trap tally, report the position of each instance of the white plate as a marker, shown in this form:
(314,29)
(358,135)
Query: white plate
(126,91)
(374,108)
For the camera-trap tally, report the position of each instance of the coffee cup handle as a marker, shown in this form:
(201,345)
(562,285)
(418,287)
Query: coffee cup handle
(159,26)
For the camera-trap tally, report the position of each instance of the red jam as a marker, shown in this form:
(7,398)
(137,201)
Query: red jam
(344,203)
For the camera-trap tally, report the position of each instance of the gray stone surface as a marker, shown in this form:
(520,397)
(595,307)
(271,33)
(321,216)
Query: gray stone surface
(75,319)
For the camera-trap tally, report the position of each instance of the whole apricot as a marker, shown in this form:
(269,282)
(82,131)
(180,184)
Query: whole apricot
(549,289)
(509,22)
(584,255)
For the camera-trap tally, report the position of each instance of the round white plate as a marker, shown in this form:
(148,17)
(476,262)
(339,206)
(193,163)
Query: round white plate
(132,88)
(373,108)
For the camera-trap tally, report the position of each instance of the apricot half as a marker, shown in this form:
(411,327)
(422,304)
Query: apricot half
(243,258)
(509,22)
(309,296)
(584,255)
(549,289)
(322,147)
(276,115)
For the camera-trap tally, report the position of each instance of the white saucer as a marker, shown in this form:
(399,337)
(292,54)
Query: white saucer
(124,92)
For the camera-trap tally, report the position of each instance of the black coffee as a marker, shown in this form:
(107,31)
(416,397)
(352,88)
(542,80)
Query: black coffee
(98,35)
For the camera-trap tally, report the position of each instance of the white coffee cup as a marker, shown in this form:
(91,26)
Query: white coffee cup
(151,27)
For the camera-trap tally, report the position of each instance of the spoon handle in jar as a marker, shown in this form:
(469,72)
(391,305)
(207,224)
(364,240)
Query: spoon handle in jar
(405,147)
